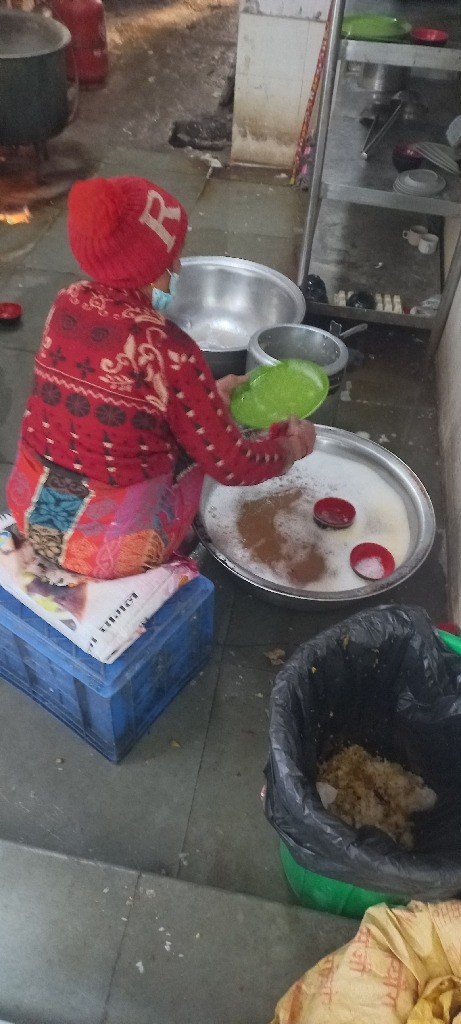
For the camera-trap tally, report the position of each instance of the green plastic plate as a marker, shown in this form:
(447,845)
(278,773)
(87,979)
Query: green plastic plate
(292,387)
(374,27)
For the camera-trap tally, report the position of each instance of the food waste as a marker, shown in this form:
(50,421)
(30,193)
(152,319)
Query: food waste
(369,791)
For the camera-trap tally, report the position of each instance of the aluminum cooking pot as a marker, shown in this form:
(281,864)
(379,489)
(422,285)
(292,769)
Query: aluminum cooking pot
(34,103)
(382,81)
(221,301)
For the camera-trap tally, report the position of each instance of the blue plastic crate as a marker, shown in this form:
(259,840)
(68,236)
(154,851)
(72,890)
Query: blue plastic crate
(109,706)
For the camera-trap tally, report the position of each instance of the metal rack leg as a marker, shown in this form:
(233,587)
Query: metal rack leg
(325,104)
(448,294)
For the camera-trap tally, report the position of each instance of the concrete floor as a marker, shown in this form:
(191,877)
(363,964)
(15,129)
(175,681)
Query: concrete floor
(85,943)
(190,812)
(175,55)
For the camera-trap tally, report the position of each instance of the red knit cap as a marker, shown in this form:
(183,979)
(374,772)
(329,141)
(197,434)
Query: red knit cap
(124,232)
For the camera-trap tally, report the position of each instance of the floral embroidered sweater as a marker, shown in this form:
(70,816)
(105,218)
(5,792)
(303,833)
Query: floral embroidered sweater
(120,394)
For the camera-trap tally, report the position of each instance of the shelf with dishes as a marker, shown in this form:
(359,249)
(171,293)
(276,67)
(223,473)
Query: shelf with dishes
(388,135)
(403,54)
(421,174)
(371,316)
(410,35)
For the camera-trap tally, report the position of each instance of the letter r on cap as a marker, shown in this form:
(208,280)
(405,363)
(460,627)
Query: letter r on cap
(164,213)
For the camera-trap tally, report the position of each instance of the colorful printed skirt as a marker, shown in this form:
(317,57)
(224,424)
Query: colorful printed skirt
(94,529)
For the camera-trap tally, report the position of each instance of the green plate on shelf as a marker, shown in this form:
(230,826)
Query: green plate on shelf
(378,28)
(292,387)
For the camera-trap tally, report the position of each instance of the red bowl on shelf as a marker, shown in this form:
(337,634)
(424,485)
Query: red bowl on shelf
(429,36)
(10,312)
(335,513)
(406,157)
(372,561)
(449,627)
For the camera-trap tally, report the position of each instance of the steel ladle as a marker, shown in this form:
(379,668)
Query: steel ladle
(402,99)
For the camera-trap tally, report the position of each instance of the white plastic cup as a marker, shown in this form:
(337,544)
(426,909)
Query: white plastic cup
(414,234)
(428,244)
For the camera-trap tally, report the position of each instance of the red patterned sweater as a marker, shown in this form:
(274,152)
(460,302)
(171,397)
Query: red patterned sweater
(120,393)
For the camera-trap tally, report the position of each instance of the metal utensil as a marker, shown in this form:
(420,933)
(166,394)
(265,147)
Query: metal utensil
(406,105)
(373,143)
(374,124)
(337,331)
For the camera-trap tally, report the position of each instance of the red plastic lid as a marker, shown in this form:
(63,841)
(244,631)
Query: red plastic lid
(372,561)
(334,512)
(429,35)
(10,311)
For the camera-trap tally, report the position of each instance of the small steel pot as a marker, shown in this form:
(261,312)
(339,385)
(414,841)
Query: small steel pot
(383,81)
(290,341)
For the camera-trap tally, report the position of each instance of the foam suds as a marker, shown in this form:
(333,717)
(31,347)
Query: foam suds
(270,531)
(372,568)
(219,335)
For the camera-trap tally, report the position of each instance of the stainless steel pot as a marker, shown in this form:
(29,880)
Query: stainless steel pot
(382,81)
(34,102)
(289,341)
(221,302)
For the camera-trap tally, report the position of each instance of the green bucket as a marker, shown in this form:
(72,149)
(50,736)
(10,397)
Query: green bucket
(451,640)
(326,894)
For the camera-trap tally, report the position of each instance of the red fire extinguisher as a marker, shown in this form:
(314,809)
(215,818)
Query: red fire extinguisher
(86,57)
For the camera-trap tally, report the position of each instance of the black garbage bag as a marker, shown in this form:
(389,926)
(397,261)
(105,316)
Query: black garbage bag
(382,679)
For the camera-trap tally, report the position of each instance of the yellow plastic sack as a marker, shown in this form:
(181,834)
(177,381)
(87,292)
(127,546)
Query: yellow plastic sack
(403,967)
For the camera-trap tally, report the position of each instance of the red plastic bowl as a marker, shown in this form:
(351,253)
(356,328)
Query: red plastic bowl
(10,311)
(334,512)
(449,627)
(372,561)
(429,36)
(406,157)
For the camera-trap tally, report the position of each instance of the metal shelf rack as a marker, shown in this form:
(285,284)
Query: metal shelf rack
(340,173)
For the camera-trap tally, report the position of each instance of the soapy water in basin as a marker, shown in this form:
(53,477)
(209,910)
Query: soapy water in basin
(269,530)
(218,335)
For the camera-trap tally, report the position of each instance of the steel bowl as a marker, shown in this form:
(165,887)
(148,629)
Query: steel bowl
(221,302)
(417,503)
(299,341)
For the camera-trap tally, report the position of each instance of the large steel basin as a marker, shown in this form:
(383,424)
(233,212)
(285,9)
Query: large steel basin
(221,302)
(418,507)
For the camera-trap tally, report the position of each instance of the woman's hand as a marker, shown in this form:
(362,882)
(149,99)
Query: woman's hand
(298,440)
(227,385)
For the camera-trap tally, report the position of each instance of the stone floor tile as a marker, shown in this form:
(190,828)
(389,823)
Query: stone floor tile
(152,165)
(18,240)
(194,954)
(61,926)
(223,595)
(53,251)
(134,814)
(16,372)
(392,372)
(248,209)
(5,470)
(229,843)
(270,251)
(36,290)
